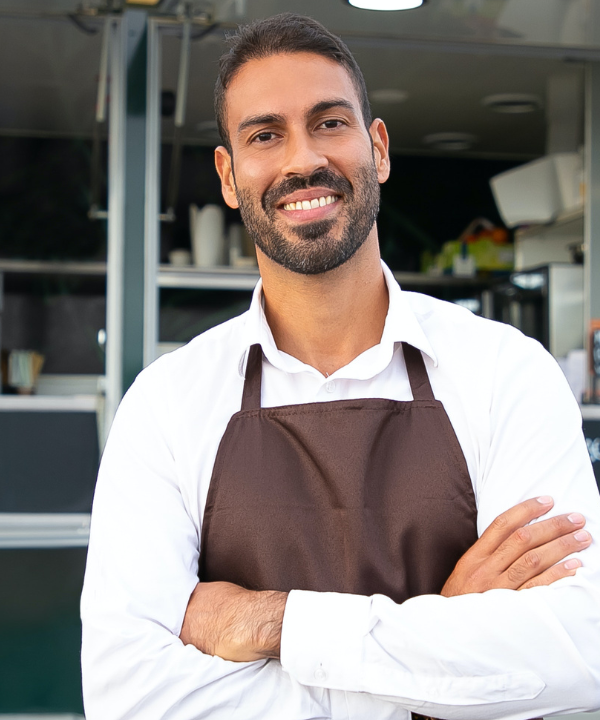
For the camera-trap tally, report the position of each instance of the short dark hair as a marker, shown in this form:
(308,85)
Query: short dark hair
(280,34)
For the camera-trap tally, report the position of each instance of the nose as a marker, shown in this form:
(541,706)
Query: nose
(302,155)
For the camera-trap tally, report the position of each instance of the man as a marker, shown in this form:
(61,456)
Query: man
(333,519)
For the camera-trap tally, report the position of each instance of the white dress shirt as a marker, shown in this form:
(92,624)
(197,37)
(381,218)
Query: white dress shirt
(499,654)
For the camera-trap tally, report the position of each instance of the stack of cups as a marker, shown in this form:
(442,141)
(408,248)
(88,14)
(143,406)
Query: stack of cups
(207,227)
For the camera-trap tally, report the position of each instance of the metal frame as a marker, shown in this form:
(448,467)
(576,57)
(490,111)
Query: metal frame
(591,278)
(152,208)
(116,219)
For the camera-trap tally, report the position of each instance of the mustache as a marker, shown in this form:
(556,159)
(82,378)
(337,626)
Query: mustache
(320,178)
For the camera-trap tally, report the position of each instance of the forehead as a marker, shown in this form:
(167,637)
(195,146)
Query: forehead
(286,84)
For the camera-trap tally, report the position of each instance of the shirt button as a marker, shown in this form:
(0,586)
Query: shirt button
(320,674)
(330,386)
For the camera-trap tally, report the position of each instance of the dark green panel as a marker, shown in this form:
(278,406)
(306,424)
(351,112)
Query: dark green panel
(40,630)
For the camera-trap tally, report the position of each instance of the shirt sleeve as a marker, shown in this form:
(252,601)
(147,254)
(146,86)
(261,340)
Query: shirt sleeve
(141,570)
(498,654)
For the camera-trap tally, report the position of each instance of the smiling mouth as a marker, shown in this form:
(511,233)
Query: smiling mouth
(311,204)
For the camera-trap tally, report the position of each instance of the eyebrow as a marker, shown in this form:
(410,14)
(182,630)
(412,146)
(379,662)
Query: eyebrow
(273,118)
(254,120)
(325,105)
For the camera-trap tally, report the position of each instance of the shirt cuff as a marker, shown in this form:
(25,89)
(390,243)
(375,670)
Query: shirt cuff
(322,638)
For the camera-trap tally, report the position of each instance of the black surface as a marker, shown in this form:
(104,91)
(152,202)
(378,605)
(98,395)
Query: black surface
(48,461)
(591,430)
(62,327)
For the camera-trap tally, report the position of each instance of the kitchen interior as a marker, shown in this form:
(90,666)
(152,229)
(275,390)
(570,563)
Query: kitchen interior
(116,246)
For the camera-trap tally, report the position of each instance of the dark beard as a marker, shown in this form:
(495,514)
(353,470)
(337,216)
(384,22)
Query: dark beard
(316,251)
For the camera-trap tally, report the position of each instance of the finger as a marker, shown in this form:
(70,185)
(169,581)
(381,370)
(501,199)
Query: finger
(539,560)
(505,524)
(538,535)
(556,572)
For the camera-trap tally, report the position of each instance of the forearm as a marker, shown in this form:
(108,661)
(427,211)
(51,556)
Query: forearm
(140,670)
(235,624)
(497,654)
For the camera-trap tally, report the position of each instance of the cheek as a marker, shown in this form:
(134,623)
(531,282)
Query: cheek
(254,168)
(349,156)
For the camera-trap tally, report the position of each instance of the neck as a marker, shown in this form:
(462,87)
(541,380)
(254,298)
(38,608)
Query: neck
(327,320)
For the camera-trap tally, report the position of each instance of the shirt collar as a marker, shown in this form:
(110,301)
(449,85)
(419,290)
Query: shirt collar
(401,325)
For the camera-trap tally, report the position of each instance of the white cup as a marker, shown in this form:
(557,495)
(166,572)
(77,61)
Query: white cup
(180,258)
(208,245)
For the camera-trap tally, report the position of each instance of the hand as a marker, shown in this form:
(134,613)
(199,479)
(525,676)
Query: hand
(236,624)
(514,555)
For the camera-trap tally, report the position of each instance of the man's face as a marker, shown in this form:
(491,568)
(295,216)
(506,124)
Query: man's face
(305,171)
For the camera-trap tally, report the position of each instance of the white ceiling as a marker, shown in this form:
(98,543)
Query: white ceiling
(446,57)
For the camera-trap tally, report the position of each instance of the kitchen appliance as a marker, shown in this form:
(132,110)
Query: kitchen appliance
(545,303)
(539,191)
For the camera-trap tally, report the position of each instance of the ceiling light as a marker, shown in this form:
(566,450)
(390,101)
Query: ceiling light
(512,103)
(388,96)
(450,141)
(386,4)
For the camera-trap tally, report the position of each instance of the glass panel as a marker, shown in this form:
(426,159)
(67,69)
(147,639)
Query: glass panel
(53,172)
(203,231)
(52,307)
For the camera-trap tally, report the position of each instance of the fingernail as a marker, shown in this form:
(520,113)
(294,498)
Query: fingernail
(576,518)
(572,564)
(545,500)
(582,536)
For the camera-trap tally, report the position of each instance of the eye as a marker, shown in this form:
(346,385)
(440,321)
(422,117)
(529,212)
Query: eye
(263,137)
(331,124)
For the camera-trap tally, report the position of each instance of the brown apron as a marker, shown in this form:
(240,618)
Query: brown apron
(359,496)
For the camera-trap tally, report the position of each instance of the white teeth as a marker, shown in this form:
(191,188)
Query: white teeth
(310,204)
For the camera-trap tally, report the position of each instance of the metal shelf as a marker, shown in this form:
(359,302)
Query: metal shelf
(412,279)
(570,223)
(217,278)
(38,530)
(51,267)
(590,412)
(229,278)
(49,403)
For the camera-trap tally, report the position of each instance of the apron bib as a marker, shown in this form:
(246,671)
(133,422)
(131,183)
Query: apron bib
(357,496)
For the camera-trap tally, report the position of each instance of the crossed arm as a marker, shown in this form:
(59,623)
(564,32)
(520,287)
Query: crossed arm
(536,651)
(243,625)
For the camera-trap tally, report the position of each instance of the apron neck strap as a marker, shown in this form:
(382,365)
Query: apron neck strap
(417,373)
(415,367)
(253,381)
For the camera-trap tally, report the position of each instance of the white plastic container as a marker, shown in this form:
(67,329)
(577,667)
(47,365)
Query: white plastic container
(208,236)
(539,191)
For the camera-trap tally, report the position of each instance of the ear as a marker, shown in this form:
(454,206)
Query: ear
(224,165)
(381,149)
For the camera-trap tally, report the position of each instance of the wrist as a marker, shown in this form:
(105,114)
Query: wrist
(269,611)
